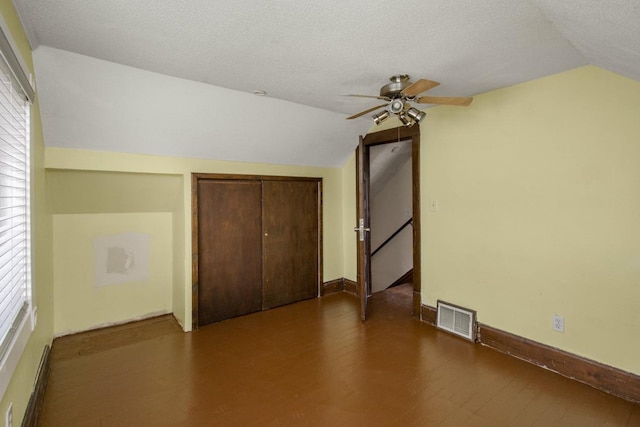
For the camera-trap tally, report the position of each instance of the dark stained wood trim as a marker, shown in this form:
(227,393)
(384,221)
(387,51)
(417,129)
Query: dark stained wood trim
(340,285)
(37,397)
(417,300)
(603,377)
(195,177)
(115,335)
(393,135)
(194,250)
(359,254)
(320,238)
(429,314)
(350,287)
(332,287)
(417,245)
(239,177)
(363,168)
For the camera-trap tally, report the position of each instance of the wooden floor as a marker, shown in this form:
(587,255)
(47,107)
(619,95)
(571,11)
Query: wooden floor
(310,363)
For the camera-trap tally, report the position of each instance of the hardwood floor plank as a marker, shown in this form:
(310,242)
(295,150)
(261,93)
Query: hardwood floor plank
(310,363)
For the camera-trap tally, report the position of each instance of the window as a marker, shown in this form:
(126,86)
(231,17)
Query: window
(16,319)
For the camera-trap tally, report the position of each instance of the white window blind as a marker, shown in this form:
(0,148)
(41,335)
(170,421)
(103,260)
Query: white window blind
(17,317)
(15,270)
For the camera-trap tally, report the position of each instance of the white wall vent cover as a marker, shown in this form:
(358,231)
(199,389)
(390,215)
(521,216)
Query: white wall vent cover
(457,320)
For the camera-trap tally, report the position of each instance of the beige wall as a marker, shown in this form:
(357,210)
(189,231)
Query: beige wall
(116,174)
(21,383)
(538,186)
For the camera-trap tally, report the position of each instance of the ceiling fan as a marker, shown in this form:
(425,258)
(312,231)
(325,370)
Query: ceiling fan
(399,93)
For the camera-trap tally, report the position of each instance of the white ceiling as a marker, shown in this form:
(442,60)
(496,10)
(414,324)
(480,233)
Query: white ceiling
(310,52)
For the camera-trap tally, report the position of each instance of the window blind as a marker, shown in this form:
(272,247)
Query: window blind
(15,280)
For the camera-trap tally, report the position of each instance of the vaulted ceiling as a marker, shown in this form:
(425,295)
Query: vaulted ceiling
(310,53)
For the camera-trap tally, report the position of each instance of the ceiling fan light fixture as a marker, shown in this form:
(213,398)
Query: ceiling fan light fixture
(380,117)
(399,95)
(405,121)
(416,114)
(396,106)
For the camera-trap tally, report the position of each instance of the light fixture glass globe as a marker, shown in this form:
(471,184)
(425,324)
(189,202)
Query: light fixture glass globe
(396,106)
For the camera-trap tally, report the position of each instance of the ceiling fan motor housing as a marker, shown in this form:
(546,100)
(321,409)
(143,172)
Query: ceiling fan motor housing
(398,83)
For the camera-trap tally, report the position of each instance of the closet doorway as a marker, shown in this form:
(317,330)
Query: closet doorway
(256,243)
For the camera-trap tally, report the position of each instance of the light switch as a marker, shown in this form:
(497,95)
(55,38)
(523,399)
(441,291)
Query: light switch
(434,205)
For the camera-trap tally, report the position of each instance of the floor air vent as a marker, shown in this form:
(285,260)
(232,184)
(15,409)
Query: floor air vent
(457,320)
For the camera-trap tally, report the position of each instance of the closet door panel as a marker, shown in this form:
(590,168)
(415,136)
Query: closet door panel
(229,249)
(290,241)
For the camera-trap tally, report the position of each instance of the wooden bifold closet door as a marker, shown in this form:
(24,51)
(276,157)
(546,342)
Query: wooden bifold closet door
(290,245)
(229,249)
(258,245)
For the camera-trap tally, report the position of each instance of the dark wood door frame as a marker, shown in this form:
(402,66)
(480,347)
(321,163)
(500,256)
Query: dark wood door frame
(386,137)
(363,223)
(195,177)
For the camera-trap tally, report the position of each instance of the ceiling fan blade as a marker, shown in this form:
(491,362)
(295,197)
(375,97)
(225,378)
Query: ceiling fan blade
(362,113)
(444,100)
(384,98)
(419,87)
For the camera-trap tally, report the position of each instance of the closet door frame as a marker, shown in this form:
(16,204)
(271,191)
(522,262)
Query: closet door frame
(195,178)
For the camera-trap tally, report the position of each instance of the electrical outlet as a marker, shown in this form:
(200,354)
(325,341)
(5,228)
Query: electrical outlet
(9,416)
(558,323)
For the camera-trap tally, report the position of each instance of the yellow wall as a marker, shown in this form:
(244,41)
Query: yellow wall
(70,169)
(21,384)
(538,187)
(79,302)
(349,212)
(99,193)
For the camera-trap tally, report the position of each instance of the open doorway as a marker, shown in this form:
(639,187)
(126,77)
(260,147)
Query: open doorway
(401,149)
(391,212)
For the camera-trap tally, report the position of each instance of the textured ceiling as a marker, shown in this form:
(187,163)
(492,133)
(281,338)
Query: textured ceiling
(310,52)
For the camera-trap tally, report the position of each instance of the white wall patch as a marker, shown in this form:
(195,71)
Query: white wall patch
(121,258)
